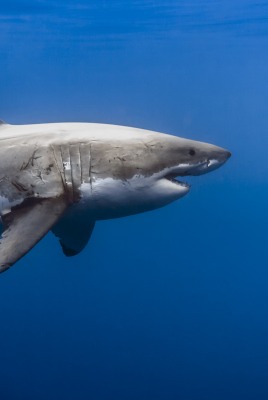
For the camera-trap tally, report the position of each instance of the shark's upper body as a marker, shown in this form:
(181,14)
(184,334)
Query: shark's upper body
(65,176)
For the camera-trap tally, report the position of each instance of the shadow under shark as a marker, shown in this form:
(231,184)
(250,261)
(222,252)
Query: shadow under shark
(65,176)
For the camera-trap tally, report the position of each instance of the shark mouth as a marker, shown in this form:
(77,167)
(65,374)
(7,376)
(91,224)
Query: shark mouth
(174,179)
(192,170)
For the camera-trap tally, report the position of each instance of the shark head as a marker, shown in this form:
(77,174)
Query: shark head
(146,172)
(182,158)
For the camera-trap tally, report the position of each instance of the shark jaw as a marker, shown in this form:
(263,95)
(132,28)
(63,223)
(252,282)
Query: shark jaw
(200,168)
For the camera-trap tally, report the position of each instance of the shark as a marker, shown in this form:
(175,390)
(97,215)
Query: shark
(63,177)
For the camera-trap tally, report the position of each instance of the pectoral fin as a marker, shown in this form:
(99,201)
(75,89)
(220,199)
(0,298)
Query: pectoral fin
(25,225)
(74,231)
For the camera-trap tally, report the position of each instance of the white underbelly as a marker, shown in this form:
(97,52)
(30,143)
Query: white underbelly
(112,198)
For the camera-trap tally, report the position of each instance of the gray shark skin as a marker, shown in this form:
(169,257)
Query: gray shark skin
(65,176)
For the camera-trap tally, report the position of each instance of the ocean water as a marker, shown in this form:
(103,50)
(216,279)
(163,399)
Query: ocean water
(166,305)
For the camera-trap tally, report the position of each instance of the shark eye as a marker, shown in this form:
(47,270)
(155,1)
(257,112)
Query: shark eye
(192,152)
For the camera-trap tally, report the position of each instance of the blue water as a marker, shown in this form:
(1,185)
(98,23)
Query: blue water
(171,304)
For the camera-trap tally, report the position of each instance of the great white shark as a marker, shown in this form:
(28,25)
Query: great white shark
(65,176)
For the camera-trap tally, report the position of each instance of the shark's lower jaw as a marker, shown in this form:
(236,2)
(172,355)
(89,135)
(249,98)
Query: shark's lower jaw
(174,178)
(178,182)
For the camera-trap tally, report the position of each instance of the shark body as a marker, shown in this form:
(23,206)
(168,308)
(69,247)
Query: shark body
(65,176)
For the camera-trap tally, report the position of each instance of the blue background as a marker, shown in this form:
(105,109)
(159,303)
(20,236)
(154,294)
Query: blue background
(171,304)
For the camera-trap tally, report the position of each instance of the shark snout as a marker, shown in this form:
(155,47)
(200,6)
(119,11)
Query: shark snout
(223,155)
(211,160)
(219,157)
